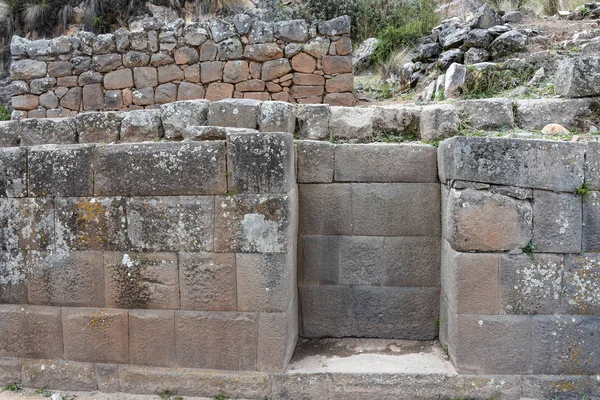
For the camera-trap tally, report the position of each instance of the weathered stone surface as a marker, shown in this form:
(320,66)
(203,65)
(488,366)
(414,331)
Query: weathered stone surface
(194,34)
(92,334)
(478,38)
(169,73)
(93,97)
(531,285)
(454,80)
(113,100)
(210,132)
(486,17)
(313,121)
(91,224)
(337,26)
(141,125)
(578,77)
(216,340)
(351,123)
(476,56)
(157,169)
(385,163)
(65,279)
(476,220)
(25,102)
(316,217)
(371,203)
(27,70)
(337,65)
(221,30)
(263,52)
(41,85)
(537,164)
(50,100)
(340,83)
(135,59)
(144,97)
(326,311)
(90,77)
(276,116)
(507,43)
(402,121)
(277,337)
(274,69)
(535,114)
(261,32)
(487,114)
(591,223)
(171,223)
(13,272)
(307,92)
(314,161)
(70,375)
(64,171)
(104,44)
(122,41)
(120,79)
(152,337)
(186,55)
(581,293)
(141,280)
(260,162)
(255,223)
(304,63)
(558,221)
(236,71)
(438,121)
(208,281)
(98,127)
(230,49)
(245,113)
(243,23)
(318,260)
(106,62)
(13,171)
(219,91)
(72,99)
(291,31)
(176,117)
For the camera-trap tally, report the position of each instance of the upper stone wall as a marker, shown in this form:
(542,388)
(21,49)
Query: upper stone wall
(132,70)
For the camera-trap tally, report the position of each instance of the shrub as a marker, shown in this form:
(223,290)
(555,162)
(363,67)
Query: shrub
(487,83)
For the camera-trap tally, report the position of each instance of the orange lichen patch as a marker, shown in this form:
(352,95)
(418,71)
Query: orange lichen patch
(100,319)
(90,216)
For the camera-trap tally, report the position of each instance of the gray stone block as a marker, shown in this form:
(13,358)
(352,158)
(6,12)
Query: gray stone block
(65,171)
(318,203)
(565,344)
(399,313)
(438,121)
(141,126)
(199,133)
(255,223)
(553,386)
(167,169)
(592,165)
(207,281)
(171,223)
(591,223)
(486,114)
(9,133)
(531,285)
(260,162)
(350,123)
(91,224)
(411,261)
(67,375)
(492,344)
(277,338)
(361,260)
(314,161)
(9,227)
(537,164)
(35,131)
(578,77)
(558,219)
(371,205)
(385,163)
(399,120)
(277,116)
(581,285)
(13,172)
(318,260)
(535,114)
(99,127)
(326,311)
(312,121)
(177,117)
(34,218)
(477,220)
(234,113)
(13,275)
(300,386)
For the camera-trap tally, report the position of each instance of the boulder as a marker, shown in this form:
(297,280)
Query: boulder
(221,30)
(486,17)
(475,56)
(438,121)
(453,37)
(429,51)
(512,16)
(337,26)
(455,79)
(507,43)
(555,129)
(498,30)
(362,57)
(291,31)
(449,57)
(578,77)
(479,38)
(176,117)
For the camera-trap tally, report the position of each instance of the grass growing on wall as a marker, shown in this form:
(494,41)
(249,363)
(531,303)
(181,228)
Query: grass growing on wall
(4,114)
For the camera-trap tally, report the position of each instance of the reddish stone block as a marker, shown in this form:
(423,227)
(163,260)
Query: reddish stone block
(169,73)
(152,337)
(219,91)
(120,79)
(72,99)
(275,69)
(340,83)
(308,80)
(300,92)
(93,97)
(340,99)
(211,71)
(262,96)
(343,47)
(236,71)
(337,65)
(190,91)
(253,85)
(304,63)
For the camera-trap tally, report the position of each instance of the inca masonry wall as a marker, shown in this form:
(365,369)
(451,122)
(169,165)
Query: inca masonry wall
(142,69)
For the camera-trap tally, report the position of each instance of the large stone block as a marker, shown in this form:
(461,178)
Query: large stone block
(277,116)
(91,223)
(492,344)
(399,120)
(558,221)
(535,114)
(37,224)
(74,279)
(385,163)
(581,285)
(216,340)
(9,225)
(487,114)
(160,169)
(47,131)
(30,332)
(312,121)
(13,278)
(99,127)
(13,172)
(277,337)
(96,335)
(208,281)
(176,117)
(57,373)
(438,121)
(399,313)
(152,337)
(326,311)
(27,69)
(9,133)
(318,201)
(318,260)
(255,223)
(235,113)
(578,77)
(351,123)
(171,223)
(411,261)
(10,369)
(592,165)
(470,281)
(260,162)
(265,282)
(396,209)
(314,161)
(538,164)
(477,220)
(361,261)
(141,280)
(141,126)
(565,345)
(61,170)
(591,223)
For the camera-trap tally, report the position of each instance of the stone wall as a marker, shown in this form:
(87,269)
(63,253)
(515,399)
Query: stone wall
(239,58)
(369,240)
(155,254)
(520,265)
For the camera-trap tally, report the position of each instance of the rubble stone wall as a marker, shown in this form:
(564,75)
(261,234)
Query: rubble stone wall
(240,58)
(154,254)
(520,266)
